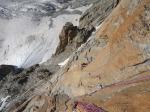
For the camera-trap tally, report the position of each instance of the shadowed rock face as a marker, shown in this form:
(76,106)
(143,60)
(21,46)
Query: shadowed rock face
(69,31)
(6,69)
(63,1)
(73,36)
(17,81)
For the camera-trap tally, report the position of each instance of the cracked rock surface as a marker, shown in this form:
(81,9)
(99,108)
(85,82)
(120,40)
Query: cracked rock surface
(109,73)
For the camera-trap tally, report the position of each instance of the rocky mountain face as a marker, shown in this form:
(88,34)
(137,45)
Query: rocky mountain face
(110,72)
(73,37)
(117,76)
(97,13)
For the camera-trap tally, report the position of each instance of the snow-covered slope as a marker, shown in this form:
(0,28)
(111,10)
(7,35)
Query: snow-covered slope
(29,35)
(3,102)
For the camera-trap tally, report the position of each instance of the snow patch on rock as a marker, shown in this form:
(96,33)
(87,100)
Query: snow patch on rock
(64,62)
(3,102)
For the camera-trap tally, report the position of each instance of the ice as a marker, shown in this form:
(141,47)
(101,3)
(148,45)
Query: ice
(98,27)
(25,41)
(82,9)
(55,31)
(3,102)
(64,62)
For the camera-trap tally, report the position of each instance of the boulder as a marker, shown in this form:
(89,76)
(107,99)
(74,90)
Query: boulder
(69,31)
(71,34)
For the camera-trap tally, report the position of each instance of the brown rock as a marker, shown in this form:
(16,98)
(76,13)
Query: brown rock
(73,36)
(66,36)
(39,103)
(125,54)
(123,62)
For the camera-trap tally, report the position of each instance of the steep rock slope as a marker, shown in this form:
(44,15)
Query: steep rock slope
(111,72)
(117,77)
(122,51)
(98,12)
(22,85)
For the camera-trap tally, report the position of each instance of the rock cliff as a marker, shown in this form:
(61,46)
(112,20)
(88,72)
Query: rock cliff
(98,12)
(109,73)
(117,76)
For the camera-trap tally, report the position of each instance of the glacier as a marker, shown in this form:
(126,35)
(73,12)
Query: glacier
(29,35)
